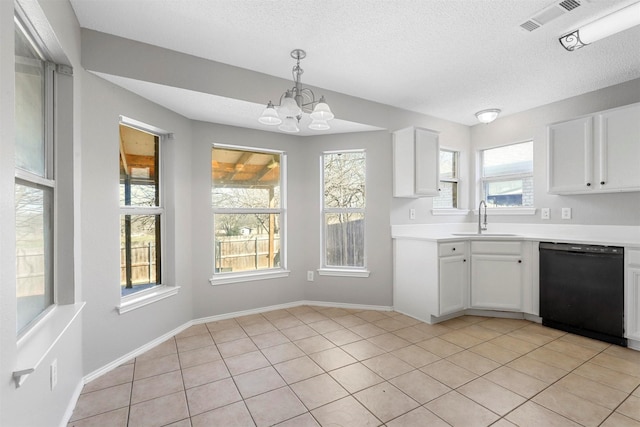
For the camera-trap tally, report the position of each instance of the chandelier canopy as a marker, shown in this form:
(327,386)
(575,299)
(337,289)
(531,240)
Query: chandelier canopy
(296,101)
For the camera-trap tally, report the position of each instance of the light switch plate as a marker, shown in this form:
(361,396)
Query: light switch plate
(545,213)
(412,213)
(566,213)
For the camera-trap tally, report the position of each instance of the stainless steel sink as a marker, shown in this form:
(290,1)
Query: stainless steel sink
(475,234)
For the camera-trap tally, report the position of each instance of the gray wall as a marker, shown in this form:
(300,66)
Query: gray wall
(35,404)
(601,209)
(107,334)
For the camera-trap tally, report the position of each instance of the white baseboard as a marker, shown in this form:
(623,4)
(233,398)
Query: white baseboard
(148,346)
(72,404)
(137,352)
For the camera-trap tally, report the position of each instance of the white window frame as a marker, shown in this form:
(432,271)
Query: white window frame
(225,278)
(455,181)
(343,271)
(161,290)
(39,338)
(515,210)
(32,180)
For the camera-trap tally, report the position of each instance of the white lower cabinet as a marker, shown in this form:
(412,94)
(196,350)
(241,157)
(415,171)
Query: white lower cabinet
(453,279)
(430,279)
(632,295)
(497,275)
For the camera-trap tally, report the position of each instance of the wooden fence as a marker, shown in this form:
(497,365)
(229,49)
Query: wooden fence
(243,253)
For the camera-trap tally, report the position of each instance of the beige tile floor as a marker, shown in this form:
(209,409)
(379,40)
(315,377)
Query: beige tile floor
(310,366)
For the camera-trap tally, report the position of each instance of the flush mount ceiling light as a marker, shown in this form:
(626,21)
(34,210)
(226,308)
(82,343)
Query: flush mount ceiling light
(296,101)
(487,116)
(615,22)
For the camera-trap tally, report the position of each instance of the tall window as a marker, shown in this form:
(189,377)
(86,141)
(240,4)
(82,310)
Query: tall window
(343,206)
(448,186)
(141,210)
(248,209)
(34,179)
(507,175)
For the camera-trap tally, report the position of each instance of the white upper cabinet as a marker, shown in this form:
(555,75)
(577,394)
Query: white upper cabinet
(619,136)
(595,154)
(416,160)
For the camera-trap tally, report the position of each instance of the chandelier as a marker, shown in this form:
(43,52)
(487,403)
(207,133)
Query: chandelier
(296,101)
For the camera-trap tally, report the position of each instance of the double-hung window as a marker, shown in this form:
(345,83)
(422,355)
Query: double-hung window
(343,210)
(34,179)
(248,205)
(141,211)
(507,175)
(448,186)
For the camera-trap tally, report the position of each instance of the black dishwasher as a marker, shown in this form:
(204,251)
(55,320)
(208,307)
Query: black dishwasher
(582,290)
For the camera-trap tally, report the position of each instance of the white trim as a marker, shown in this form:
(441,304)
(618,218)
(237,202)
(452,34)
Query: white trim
(135,353)
(34,347)
(146,297)
(346,272)
(72,404)
(151,344)
(508,211)
(449,211)
(228,278)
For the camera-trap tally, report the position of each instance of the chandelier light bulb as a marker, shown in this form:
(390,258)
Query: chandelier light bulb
(289,125)
(319,125)
(270,116)
(322,111)
(289,106)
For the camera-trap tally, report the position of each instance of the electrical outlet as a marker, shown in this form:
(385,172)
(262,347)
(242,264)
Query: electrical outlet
(412,214)
(566,213)
(54,373)
(545,213)
(309,276)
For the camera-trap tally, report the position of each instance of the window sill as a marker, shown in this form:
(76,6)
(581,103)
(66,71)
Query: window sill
(229,278)
(34,347)
(343,272)
(143,298)
(508,211)
(449,211)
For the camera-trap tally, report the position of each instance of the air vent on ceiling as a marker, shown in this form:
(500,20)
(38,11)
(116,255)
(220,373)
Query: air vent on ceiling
(550,13)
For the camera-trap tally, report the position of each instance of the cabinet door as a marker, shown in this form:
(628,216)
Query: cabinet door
(632,304)
(570,156)
(453,284)
(427,162)
(497,282)
(619,137)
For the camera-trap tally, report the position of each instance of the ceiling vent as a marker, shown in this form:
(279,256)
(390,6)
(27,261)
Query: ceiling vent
(550,13)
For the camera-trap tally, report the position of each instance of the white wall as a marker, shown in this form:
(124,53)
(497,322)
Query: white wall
(600,209)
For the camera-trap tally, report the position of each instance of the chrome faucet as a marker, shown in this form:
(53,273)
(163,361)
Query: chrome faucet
(482,225)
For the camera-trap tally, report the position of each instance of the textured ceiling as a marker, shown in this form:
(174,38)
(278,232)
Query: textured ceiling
(444,58)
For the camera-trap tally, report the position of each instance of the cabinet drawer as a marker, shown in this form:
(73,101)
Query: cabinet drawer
(500,248)
(448,249)
(633,257)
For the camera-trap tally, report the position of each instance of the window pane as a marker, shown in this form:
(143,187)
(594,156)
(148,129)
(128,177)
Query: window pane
(139,252)
(245,242)
(518,192)
(344,178)
(34,285)
(344,236)
(245,179)
(448,164)
(512,159)
(448,197)
(29,107)
(139,161)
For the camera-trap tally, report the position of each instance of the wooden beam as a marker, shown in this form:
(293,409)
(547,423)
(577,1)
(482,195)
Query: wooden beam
(240,164)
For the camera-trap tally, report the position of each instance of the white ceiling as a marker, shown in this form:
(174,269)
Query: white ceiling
(444,58)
